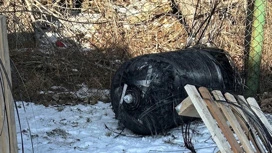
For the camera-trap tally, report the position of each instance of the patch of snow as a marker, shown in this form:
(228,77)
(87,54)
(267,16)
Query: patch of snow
(85,92)
(58,88)
(83,129)
(75,70)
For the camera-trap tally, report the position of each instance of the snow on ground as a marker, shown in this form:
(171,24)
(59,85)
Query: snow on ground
(82,129)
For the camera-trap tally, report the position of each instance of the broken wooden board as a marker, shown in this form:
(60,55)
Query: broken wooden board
(225,120)
(256,108)
(233,121)
(186,108)
(252,133)
(208,120)
(219,117)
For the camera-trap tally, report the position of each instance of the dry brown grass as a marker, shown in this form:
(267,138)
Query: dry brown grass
(66,68)
(157,30)
(266,73)
(154,30)
(165,33)
(145,27)
(160,33)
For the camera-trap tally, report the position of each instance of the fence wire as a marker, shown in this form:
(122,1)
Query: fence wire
(142,27)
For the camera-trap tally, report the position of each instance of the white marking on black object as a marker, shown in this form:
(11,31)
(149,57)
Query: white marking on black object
(123,93)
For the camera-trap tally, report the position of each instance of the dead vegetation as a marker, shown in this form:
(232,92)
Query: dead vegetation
(135,27)
(68,69)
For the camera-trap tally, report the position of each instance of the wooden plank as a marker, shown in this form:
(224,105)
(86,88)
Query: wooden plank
(219,117)
(259,130)
(244,102)
(233,121)
(256,108)
(208,120)
(248,132)
(242,99)
(258,145)
(8,144)
(4,136)
(187,108)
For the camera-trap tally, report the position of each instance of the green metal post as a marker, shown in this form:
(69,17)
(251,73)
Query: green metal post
(256,46)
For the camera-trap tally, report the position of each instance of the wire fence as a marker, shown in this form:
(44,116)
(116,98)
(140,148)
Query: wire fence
(254,38)
(128,28)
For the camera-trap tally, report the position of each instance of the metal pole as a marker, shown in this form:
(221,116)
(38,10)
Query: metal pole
(256,46)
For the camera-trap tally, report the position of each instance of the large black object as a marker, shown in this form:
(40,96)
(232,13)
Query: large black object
(155,85)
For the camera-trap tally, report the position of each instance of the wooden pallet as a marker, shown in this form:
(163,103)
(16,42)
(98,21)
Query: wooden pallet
(229,126)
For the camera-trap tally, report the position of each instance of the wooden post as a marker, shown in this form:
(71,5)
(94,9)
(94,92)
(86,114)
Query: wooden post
(8,138)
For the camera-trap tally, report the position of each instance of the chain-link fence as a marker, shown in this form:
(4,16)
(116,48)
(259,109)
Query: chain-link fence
(119,29)
(254,44)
